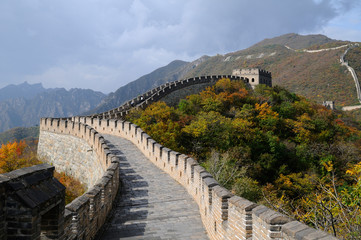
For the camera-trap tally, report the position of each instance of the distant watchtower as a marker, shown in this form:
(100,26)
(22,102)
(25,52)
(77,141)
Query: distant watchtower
(254,76)
(329,104)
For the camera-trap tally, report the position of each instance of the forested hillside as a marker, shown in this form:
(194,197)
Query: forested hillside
(28,134)
(270,146)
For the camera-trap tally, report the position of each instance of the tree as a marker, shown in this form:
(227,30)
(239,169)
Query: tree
(15,155)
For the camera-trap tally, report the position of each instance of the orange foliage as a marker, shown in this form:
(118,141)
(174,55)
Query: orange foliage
(15,155)
(74,188)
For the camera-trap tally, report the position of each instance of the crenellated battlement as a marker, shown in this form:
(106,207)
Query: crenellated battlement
(254,76)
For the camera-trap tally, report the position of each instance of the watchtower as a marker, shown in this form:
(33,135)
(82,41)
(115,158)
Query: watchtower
(254,76)
(329,104)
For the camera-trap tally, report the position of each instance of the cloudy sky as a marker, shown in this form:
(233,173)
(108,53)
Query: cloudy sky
(104,44)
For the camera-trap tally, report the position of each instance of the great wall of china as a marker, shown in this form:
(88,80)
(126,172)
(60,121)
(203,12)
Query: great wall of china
(27,214)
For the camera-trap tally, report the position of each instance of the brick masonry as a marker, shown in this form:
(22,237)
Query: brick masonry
(71,155)
(32,204)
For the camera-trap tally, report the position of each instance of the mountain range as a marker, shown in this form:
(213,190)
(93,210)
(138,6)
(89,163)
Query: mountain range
(24,90)
(23,105)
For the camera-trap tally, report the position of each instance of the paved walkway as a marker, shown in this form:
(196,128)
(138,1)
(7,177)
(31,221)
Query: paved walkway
(151,205)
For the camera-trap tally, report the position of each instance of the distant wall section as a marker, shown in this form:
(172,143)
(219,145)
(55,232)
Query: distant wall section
(173,98)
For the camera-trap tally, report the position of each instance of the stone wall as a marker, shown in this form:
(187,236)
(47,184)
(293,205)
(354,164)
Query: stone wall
(224,215)
(65,152)
(84,216)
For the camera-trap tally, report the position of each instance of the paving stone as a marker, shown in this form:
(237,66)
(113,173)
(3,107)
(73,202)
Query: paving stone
(152,205)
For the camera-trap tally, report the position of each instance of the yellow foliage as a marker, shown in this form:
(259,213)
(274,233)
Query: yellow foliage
(15,155)
(265,111)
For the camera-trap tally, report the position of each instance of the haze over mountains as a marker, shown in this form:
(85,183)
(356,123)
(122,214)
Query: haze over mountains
(318,76)
(24,90)
(24,104)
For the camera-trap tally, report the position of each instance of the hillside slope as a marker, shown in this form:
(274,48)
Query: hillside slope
(317,76)
(29,134)
(295,41)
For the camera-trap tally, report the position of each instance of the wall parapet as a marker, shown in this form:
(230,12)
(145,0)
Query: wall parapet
(36,189)
(224,215)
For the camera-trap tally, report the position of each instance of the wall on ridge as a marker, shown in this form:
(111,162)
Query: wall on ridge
(224,215)
(160,93)
(71,155)
(173,98)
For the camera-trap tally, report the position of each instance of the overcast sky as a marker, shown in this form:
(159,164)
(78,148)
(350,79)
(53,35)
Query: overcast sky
(104,44)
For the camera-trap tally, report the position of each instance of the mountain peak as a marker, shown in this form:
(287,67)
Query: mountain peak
(295,41)
(24,89)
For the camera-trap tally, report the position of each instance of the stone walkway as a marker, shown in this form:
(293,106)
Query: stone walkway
(151,205)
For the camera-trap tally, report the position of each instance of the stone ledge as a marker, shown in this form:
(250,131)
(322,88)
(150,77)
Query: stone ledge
(242,203)
(298,230)
(78,203)
(269,216)
(222,192)
(210,182)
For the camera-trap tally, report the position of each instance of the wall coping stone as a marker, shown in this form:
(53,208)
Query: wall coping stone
(222,192)
(242,203)
(192,162)
(270,216)
(78,203)
(210,182)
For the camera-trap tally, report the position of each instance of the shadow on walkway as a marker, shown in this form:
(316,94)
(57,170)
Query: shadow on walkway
(126,218)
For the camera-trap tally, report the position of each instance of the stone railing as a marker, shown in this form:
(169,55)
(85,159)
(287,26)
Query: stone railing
(224,215)
(84,216)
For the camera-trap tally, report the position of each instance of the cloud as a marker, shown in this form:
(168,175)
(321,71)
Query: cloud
(87,42)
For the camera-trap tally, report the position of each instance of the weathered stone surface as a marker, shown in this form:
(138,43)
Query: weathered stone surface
(32,194)
(71,155)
